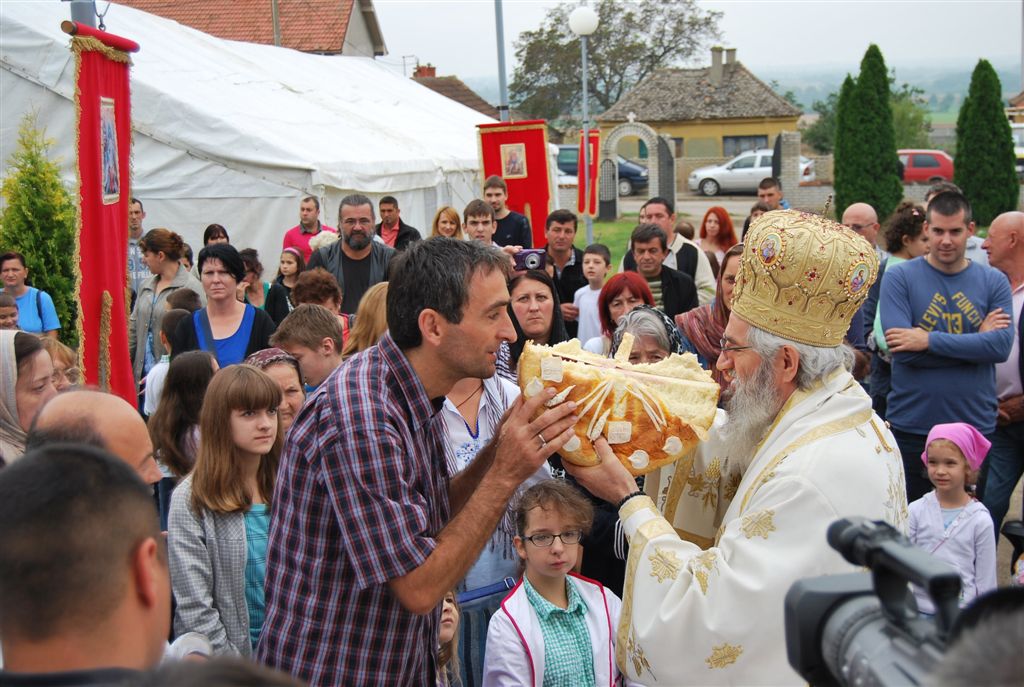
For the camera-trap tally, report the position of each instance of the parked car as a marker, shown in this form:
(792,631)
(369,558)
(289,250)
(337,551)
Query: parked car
(925,166)
(632,177)
(742,173)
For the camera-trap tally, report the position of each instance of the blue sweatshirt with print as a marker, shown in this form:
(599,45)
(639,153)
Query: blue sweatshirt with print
(954,380)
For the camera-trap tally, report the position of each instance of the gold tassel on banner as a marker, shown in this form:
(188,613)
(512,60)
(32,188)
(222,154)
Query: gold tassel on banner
(104,358)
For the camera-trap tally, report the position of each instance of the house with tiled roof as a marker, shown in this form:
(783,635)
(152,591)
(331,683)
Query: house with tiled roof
(453,87)
(328,27)
(715,111)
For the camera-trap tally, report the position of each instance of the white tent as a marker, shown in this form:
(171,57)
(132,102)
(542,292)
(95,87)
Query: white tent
(237,133)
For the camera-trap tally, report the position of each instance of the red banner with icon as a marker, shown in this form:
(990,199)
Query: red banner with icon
(103,110)
(518,153)
(582,206)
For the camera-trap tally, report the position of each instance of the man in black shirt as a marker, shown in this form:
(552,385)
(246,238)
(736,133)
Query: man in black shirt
(565,264)
(674,291)
(356,261)
(513,228)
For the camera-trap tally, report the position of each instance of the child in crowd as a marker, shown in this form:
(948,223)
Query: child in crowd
(948,522)
(596,261)
(184,299)
(174,426)
(154,384)
(66,374)
(313,335)
(448,642)
(8,311)
(220,513)
(554,627)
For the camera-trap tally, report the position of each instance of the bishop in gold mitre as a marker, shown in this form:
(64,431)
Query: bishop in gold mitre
(722,534)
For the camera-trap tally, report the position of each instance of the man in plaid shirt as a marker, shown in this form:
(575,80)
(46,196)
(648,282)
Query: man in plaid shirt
(368,532)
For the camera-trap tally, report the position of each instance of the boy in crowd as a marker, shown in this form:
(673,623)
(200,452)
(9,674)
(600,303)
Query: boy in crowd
(154,383)
(8,312)
(184,299)
(313,335)
(512,228)
(596,261)
(554,627)
(478,221)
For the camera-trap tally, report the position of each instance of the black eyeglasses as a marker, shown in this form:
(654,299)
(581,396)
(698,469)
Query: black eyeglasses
(570,538)
(724,343)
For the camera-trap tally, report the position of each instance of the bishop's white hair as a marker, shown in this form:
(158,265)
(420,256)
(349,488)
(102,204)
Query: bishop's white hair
(816,362)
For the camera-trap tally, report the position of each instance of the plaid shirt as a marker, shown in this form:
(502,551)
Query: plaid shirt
(361,493)
(568,652)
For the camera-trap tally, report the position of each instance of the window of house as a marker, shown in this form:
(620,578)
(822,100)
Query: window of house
(734,145)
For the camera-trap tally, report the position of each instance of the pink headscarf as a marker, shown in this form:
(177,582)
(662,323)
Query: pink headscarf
(969,440)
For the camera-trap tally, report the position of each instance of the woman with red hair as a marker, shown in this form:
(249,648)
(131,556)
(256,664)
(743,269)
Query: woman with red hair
(717,233)
(618,296)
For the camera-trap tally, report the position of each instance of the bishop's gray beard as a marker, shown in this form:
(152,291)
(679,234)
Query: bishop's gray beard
(752,407)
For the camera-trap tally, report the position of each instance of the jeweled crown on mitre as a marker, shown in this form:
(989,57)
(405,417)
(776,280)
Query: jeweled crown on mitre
(802,277)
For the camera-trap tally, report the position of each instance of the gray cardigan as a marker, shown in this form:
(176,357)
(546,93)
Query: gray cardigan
(146,314)
(207,558)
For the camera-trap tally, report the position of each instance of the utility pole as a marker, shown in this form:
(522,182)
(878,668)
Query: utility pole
(276,19)
(502,84)
(83,12)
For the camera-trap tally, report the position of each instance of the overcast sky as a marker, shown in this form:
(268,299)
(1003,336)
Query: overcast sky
(458,36)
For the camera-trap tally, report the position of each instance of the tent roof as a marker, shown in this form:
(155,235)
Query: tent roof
(347,121)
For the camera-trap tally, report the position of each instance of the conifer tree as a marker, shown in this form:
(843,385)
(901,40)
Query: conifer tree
(985,165)
(868,168)
(842,140)
(39,222)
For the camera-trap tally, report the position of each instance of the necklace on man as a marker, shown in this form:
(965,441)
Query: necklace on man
(475,392)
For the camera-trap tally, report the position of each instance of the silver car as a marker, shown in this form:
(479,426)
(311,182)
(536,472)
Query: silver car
(742,173)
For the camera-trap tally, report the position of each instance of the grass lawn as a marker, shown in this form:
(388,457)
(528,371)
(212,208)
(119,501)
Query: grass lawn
(615,235)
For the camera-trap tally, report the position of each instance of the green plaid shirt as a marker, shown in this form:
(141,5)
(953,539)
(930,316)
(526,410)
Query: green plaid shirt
(568,654)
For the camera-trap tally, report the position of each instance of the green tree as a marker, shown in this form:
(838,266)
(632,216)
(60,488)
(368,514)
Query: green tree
(870,168)
(788,95)
(910,121)
(985,162)
(39,222)
(821,135)
(632,41)
(842,137)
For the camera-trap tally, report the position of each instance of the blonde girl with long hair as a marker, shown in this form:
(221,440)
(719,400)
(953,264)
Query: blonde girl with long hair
(219,518)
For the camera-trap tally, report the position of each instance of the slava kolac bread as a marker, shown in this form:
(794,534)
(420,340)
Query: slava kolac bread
(651,414)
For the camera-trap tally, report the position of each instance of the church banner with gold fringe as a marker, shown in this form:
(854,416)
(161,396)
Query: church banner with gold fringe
(103,137)
(518,153)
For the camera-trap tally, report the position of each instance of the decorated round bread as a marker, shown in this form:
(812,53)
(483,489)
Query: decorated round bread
(651,414)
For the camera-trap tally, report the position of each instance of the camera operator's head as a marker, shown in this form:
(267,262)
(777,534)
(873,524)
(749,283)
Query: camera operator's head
(780,339)
(985,648)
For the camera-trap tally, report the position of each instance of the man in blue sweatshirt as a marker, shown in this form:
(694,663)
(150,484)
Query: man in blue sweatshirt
(940,313)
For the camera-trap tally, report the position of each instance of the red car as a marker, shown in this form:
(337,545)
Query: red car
(925,166)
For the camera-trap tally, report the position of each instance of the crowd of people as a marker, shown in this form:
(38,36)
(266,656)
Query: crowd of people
(332,476)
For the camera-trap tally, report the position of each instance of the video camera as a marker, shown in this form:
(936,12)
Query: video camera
(864,628)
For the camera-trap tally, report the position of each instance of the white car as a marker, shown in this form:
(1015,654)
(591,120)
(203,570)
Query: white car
(742,173)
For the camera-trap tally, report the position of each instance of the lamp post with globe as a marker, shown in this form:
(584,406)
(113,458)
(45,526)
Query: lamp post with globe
(583,22)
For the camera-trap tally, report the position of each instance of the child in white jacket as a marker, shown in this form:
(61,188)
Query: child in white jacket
(554,627)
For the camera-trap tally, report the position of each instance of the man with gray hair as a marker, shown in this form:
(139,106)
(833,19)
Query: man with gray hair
(720,536)
(356,261)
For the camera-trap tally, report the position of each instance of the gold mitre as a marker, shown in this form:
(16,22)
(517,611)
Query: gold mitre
(802,277)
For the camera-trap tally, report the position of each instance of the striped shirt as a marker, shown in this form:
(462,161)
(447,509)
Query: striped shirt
(361,493)
(568,653)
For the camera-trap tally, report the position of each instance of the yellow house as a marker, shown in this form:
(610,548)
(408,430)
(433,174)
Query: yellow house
(716,111)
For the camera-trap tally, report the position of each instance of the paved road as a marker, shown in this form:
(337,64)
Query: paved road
(692,206)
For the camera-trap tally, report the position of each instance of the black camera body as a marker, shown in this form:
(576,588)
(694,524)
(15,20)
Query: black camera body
(864,628)
(530,259)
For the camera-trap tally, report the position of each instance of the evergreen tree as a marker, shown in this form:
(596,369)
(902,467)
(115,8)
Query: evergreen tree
(841,144)
(869,165)
(985,164)
(39,222)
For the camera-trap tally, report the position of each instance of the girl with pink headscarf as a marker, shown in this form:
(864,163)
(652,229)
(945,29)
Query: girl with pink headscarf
(949,522)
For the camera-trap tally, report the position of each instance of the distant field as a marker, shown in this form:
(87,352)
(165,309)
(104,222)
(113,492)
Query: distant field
(943,117)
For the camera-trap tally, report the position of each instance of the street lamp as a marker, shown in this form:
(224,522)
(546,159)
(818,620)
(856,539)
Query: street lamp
(583,22)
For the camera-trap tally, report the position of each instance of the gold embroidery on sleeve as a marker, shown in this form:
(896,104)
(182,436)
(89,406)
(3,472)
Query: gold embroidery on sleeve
(758,524)
(896,498)
(702,566)
(723,655)
(732,486)
(665,564)
(705,485)
(636,504)
(636,655)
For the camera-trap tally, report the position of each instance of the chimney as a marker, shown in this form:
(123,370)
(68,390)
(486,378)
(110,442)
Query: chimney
(730,55)
(716,66)
(424,71)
